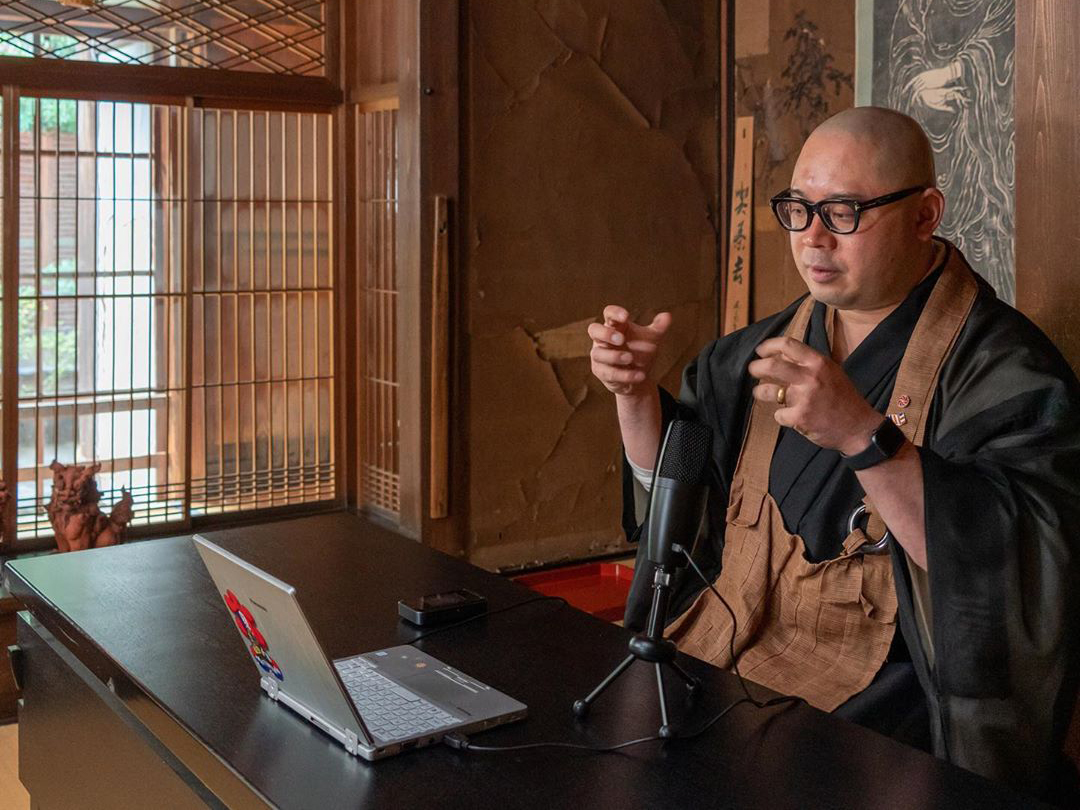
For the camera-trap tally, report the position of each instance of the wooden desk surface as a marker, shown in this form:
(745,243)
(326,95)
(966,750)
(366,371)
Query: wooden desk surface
(145,619)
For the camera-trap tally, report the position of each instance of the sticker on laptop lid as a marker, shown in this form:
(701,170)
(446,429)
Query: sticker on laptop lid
(256,642)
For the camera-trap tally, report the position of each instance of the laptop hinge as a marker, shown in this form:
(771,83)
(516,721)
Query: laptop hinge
(270,686)
(352,742)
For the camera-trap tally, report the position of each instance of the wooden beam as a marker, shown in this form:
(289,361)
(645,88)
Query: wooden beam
(374,94)
(346,360)
(725,115)
(411,310)
(10,263)
(190,182)
(429,147)
(333,40)
(377,42)
(349,263)
(439,484)
(378,105)
(1048,169)
(150,83)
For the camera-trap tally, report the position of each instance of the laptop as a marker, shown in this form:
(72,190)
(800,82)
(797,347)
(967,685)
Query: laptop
(375,704)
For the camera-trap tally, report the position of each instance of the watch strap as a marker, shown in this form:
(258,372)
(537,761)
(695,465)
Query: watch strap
(885,442)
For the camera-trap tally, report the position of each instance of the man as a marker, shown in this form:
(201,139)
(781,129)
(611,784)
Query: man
(975,472)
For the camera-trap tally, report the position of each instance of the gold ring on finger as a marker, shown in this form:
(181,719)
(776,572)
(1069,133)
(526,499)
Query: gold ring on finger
(781,395)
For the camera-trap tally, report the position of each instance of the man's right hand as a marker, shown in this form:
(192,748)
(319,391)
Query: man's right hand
(623,352)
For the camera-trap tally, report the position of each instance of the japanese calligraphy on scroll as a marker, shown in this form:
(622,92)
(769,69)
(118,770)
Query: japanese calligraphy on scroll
(737,289)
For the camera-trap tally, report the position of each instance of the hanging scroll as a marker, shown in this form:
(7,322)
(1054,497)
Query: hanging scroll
(737,289)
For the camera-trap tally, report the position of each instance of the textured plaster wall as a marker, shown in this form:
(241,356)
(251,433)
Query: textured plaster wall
(591,179)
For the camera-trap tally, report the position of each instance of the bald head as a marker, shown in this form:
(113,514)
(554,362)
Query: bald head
(863,154)
(895,147)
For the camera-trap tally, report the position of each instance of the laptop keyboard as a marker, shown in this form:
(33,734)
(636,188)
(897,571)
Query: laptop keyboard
(390,711)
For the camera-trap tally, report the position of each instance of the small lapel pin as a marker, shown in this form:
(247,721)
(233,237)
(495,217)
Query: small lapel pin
(899,419)
(903,401)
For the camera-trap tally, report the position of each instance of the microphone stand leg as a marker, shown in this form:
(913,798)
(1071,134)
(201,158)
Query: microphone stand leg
(692,684)
(581,707)
(665,728)
(649,645)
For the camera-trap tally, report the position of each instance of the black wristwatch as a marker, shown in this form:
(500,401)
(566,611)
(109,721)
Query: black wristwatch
(885,442)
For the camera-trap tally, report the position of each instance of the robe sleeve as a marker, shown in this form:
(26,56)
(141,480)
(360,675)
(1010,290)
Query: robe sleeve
(1002,508)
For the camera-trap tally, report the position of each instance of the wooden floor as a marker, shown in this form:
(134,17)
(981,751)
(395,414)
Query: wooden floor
(12,794)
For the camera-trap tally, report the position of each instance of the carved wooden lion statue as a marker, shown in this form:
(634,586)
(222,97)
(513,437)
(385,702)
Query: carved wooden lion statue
(73,509)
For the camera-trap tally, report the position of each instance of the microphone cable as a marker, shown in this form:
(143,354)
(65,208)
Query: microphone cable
(460,742)
(776,701)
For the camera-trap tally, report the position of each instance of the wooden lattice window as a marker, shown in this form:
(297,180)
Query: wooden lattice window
(263,310)
(380,464)
(175,306)
(99,301)
(272,36)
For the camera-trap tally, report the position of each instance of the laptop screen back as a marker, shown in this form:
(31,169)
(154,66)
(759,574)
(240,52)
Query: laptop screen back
(277,636)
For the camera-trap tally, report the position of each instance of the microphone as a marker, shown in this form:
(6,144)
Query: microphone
(676,507)
(677,497)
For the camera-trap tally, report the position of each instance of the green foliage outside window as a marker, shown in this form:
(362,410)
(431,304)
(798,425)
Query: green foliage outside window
(54,347)
(62,114)
(16,44)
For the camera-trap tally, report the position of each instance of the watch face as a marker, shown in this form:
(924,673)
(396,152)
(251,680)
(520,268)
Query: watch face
(888,438)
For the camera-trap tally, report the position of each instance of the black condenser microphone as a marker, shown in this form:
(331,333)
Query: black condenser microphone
(679,487)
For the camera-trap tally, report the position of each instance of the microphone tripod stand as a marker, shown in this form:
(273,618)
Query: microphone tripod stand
(651,647)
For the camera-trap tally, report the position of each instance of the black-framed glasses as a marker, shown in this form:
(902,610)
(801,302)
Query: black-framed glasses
(839,215)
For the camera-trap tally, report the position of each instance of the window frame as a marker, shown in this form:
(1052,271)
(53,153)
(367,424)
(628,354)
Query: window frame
(194,88)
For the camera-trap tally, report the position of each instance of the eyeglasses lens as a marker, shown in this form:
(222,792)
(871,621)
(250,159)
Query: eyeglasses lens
(792,215)
(839,217)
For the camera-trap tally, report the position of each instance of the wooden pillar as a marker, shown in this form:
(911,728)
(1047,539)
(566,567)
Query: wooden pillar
(1048,169)
(9,262)
(429,167)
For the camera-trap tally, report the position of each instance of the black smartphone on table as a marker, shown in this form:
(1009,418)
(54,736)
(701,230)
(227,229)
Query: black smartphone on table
(436,608)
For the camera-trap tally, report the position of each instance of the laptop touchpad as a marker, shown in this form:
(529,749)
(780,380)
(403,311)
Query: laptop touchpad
(447,686)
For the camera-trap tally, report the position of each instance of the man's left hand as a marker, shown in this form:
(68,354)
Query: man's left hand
(819,400)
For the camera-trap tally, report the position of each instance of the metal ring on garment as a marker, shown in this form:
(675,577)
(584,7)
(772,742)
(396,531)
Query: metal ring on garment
(874,547)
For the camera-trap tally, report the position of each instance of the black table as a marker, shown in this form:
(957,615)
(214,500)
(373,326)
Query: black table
(138,693)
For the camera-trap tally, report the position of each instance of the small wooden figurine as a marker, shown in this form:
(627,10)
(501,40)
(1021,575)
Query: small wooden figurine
(73,510)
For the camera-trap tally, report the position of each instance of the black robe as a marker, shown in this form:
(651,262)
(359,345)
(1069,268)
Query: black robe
(1001,468)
